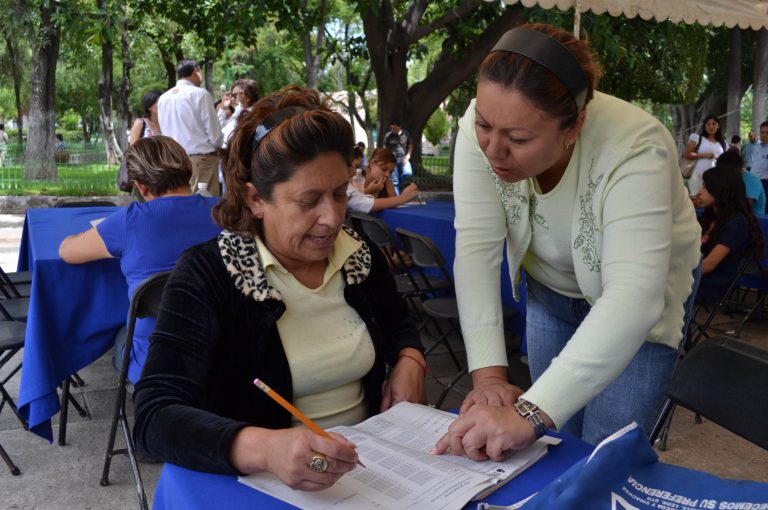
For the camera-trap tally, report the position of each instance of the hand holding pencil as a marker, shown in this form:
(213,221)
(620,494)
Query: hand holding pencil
(300,416)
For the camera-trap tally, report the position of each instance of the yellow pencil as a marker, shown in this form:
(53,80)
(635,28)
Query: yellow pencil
(292,409)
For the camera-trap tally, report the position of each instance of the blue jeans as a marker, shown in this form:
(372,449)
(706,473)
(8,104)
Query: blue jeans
(638,392)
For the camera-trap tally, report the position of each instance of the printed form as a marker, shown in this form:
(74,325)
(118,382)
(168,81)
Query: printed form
(400,471)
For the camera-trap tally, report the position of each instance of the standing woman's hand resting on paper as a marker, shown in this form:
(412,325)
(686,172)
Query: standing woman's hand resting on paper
(287,454)
(488,432)
(490,387)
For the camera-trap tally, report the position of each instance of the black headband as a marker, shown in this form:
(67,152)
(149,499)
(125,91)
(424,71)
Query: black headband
(274,119)
(552,55)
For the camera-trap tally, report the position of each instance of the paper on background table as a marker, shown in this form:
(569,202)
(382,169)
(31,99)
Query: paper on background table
(401,473)
(97,221)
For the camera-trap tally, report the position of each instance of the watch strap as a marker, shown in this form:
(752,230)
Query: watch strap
(530,412)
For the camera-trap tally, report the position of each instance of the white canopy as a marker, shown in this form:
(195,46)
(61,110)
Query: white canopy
(744,13)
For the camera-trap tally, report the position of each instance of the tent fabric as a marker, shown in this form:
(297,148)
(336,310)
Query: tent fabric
(744,13)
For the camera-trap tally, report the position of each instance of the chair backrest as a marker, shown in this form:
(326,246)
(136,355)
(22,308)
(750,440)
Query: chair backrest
(145,302)
(86,203)
(7,287)
(376,229)
(725,380)
(423,251)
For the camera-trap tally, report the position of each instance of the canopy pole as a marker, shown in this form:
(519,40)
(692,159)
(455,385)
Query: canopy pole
(577,19)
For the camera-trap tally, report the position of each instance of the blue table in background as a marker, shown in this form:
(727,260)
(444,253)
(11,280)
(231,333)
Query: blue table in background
(183,488)
(435,220)
(74,310)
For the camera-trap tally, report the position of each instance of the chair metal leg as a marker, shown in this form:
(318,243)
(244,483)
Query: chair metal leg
(15,471)
(119,406)
(119,416)
(64,412)
(66,399)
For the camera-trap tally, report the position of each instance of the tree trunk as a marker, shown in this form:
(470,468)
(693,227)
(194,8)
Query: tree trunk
(733,104)
(760,92)
(208,66)
(123,108)
(13,57)
(388,41)
(688,118)
(38,157)
(114,154)
(312,58)
(168,64)
(86,130)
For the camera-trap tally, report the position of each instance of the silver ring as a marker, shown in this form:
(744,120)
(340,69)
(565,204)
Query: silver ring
(318,463)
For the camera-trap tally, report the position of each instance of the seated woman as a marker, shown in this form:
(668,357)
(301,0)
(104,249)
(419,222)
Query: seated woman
(148,237)
(365,202)
(729,231)
(378,176)
(285,294)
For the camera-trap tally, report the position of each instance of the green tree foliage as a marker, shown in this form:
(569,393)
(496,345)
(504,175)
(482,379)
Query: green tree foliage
(437,127)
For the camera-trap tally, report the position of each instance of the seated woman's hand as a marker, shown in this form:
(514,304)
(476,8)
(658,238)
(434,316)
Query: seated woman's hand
(375,186)
(410,192)
(405,382)
(486,432)
(490,387)
(287,453)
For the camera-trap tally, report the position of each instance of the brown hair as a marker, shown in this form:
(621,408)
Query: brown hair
(537,83)
(291,143)
(159,163)
(381,156)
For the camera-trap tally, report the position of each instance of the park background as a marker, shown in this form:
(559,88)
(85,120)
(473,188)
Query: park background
(80,68)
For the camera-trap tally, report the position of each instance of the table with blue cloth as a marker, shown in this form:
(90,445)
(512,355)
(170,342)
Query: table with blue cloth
(74,311)
(183,488)
(434,219)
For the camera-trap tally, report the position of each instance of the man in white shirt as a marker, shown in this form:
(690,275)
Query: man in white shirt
(3,143)
(186,114)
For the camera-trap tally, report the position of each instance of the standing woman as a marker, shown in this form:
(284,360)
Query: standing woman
(704,147)
(146,125)
(586,191)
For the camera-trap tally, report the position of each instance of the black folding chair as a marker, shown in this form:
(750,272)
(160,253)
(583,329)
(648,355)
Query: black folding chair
(11,342)
(16,284)
(145,303)
(723,380)
(727,302)
(86,203)
(426,255)
(379,232)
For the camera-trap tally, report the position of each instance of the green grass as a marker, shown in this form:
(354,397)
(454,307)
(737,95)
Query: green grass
(435,174)
(436,165)
(73,180)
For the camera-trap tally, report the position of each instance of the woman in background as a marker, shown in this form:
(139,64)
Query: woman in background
(378,177)
(704,147)
(729,231)
(148,237)
(146,125)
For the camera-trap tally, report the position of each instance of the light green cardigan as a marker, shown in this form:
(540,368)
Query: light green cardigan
(635,243)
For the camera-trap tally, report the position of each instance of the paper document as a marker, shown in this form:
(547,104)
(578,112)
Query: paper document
(400,471)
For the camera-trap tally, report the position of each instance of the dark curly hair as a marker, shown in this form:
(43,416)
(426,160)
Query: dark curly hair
(291,143)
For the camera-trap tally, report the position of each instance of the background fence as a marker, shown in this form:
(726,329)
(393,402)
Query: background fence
(82,170)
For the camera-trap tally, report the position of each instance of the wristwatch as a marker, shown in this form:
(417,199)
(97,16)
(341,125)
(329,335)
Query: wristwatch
(530,412)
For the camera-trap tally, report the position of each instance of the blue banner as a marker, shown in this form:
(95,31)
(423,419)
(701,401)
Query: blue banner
(624,473)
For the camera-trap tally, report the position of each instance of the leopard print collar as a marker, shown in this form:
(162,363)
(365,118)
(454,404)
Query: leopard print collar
(243,264)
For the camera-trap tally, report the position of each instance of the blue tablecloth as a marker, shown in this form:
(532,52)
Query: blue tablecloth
(74,311)
(435,220)
(184,488)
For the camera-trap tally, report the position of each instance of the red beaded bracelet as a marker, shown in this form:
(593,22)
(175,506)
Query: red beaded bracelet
(418,362)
